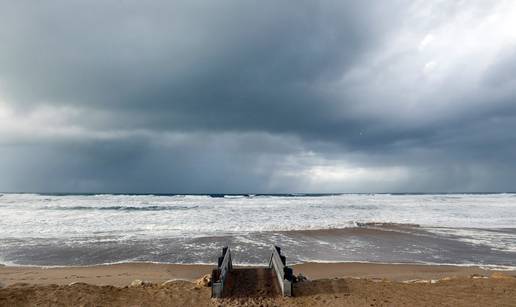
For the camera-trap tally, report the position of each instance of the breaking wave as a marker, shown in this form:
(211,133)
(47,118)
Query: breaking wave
(122,208)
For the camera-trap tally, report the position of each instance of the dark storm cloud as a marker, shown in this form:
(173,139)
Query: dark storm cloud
(221,65)
(254,96)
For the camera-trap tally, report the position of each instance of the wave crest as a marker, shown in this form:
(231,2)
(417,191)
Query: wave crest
(124,208)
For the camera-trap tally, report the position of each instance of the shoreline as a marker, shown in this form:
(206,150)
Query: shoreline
(122,274)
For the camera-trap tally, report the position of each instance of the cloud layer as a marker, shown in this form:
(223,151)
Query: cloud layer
(264,96)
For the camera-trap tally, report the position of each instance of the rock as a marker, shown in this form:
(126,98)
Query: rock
(136,283)
(500,275)
(140,283)
(477,276)
(422,281)
(77,283)
(204,281)
(301,278)
(417,281)
(168,282)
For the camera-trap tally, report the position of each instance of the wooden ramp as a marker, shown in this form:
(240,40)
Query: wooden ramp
(251,282)
(268,281)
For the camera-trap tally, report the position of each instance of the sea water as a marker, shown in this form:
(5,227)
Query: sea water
(465,229)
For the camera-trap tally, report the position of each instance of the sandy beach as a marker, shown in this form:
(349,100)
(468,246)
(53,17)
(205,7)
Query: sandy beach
(333,284)
(257,153)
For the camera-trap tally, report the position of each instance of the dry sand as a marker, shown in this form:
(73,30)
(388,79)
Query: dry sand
(357,285)
(118,275)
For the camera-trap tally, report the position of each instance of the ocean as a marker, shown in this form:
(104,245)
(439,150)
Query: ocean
(70,230)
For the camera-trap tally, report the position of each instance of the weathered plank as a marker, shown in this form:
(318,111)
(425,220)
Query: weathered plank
(220,274)
(283,272)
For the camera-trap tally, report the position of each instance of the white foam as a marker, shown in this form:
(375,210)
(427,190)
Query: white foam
(137,216)
(501,241)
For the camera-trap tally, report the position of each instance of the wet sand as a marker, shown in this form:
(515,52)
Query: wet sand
(378,242)
(333,284)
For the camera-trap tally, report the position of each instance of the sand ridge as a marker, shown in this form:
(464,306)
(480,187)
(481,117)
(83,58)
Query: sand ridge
(323,292)
(357,284)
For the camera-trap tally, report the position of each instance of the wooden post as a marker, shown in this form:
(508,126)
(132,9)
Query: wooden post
(283,272)
(219,275)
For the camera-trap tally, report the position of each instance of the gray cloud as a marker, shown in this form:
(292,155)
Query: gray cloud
(233,96)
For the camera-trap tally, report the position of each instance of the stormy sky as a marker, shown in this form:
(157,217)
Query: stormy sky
(257,96)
